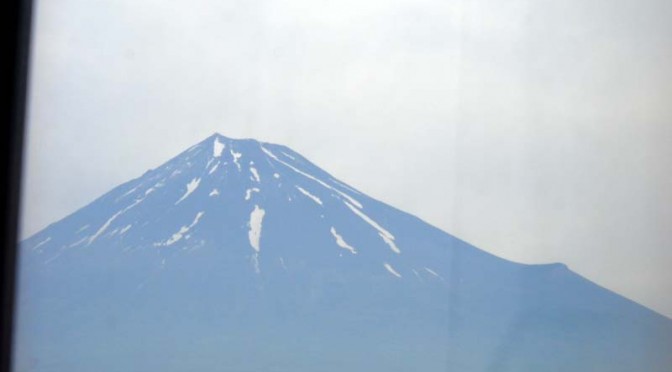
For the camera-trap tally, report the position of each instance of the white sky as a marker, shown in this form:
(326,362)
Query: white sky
(537,130)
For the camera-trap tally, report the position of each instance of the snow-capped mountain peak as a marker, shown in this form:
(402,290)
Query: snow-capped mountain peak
(239,255)
(246,182)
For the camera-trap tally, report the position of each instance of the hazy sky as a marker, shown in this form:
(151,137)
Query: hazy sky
(540,131)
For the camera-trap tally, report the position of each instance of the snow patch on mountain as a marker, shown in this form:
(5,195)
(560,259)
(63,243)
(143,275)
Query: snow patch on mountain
(80,241)
(345,186)
(390,242)
(214,192)
(256,219)
(217,148)
(129,192)
(341,193)
(287,155)
(255,174)
(180,234)
(387,237)
(236,156)
(191,186)
(391,270)
(107,223)
(254,234)
(255,262)
(308,194)
(341,243)
(248,192)
(43,242)
(434,273)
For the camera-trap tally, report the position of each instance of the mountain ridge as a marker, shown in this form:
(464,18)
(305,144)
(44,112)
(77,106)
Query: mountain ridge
(247,238)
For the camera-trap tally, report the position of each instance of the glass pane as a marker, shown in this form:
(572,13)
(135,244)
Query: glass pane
(266,186)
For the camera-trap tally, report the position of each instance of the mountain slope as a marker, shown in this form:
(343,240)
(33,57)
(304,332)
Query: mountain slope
(238,255)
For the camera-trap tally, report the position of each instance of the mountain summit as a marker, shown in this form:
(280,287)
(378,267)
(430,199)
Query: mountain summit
(239,255)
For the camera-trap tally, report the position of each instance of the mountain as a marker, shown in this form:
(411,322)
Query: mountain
(243,256)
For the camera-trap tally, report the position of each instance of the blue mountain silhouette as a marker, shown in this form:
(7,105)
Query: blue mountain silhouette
(243,256)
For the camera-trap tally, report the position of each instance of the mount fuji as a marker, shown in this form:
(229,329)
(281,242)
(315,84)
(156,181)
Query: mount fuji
(244,256)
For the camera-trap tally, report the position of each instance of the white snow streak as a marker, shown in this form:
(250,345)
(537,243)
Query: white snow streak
(45,241)
(341,193)
(53,258)
(213,169)
(341,243)
(276,175)
(80,241)
(255,174)
(386,235)
(191,186)
(256,218)
(192,148)
(217,148)
(287,155)
(183,230)
(391,270)
(129,192)
(306,193)
(82,228)
(433,272)
(214,192)
(390,242)
(236,156)
(109,221)
(248,192)
(107,224)
(126,228)
(345,186)
(255,262)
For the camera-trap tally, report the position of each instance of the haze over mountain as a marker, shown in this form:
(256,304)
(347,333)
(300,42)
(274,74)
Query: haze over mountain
(238,255)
